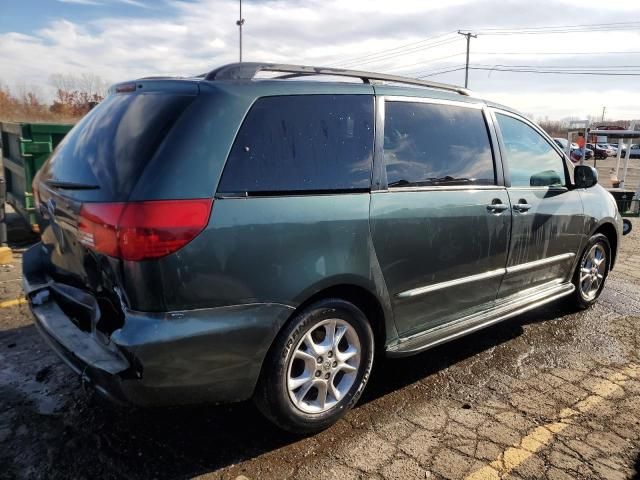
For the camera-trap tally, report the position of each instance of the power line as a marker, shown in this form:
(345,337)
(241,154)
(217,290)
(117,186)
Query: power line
(393,55)
(430,71)
(560,67)
(390,50)
(349,60)
(441,40)
(555,27)
(561,31)
(442,72)
(617,26)
(554,53)
(427,61)
(558,72)
(513,70)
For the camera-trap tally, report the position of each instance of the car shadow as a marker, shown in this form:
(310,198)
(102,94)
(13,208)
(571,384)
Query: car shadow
(90,437)
(393,374)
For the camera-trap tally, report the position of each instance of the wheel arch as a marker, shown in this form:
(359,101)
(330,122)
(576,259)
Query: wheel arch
(381,323)
(609,230)
(362,298)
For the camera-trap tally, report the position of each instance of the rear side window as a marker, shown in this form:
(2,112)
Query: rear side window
(431,145)
(111,145)
(310,143)
(533,162)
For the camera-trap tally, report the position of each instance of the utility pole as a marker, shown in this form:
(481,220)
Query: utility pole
(469,35)
(240,23)
(603,110)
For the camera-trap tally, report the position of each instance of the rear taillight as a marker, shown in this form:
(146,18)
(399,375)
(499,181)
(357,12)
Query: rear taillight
(142,230)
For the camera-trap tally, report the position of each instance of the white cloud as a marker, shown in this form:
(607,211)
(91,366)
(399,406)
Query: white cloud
(180,37)
(135,3)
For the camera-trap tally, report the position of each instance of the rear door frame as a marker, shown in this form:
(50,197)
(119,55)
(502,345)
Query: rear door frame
(379,182)
(379,173)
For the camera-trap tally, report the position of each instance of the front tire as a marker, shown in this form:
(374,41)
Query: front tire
(591,272)
(317,367)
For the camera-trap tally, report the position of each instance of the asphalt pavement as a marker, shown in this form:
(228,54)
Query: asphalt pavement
(549,394)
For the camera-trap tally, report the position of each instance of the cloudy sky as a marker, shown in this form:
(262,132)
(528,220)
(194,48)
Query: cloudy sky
(572,57)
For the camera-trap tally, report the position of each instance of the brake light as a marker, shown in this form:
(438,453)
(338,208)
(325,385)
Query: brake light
(142,230)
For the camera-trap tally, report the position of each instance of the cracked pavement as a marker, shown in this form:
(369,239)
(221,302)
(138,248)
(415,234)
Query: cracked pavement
(549,394)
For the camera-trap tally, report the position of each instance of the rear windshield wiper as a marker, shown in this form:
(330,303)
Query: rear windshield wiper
(71,185)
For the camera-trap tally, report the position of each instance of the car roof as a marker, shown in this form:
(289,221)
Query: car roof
(294,79)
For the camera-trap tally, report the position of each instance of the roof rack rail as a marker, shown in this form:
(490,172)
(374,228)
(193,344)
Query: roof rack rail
(248,70)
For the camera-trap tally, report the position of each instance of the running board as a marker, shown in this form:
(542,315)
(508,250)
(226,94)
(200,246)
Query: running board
(458,328)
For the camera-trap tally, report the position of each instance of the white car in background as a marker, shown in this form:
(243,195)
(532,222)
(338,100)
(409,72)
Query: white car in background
(611,151)
(635,151)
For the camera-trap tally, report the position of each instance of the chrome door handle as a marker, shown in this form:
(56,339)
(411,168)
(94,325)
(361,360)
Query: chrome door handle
(497,206)
(522,206)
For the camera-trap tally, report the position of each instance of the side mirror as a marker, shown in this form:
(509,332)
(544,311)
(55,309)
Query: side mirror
(585,176)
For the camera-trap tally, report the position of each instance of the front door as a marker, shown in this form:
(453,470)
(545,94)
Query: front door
(548,221)
(441,223)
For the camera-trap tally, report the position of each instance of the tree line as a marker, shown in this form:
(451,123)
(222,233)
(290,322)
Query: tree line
(559,128)
(74,96)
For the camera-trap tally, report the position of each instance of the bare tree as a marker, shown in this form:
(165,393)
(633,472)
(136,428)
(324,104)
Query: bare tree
(87,83)
(76,94)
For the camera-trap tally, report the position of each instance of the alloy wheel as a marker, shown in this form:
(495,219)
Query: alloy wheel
(592,271)
(324,366)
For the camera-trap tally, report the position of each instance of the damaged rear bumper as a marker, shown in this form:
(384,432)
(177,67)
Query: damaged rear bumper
(155,358)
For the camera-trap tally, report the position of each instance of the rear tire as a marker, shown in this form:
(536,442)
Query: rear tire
(591,272)
(317,367)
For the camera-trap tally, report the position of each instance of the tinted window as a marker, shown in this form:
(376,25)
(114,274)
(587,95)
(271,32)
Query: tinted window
(430,144)
(532,160)
(111,145)
(302,143)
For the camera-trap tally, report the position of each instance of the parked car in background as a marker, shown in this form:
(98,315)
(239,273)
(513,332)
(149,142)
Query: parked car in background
(226,237)
(611,151)
(599,152)
(562,143)
(635,151)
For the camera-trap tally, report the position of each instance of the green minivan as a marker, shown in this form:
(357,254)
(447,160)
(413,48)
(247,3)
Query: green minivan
(260,231)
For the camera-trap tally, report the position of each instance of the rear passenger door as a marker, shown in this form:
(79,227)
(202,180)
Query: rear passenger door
(440,214)
(548,221)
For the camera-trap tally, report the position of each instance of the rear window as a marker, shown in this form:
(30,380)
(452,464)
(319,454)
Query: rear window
(110,146)
(311,143)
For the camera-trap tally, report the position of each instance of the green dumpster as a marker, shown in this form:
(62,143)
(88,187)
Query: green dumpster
(25,147)
(624,199)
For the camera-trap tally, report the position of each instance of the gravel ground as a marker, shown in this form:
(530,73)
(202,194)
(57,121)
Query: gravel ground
(549,394)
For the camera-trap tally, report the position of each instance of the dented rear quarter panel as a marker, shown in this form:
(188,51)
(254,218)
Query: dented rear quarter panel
(276,249)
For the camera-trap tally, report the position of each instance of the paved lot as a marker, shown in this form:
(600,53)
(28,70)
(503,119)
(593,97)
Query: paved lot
(549,394)
(604,168)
